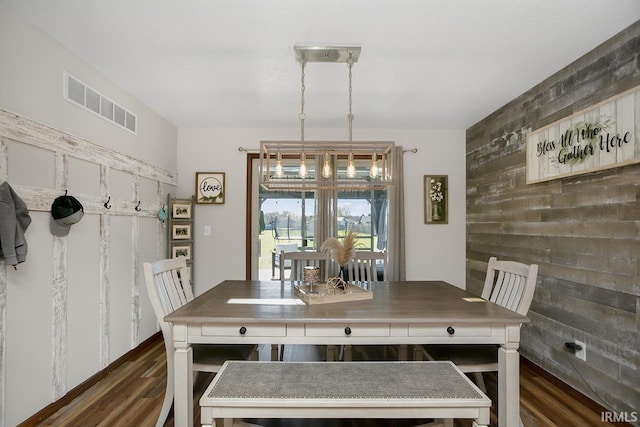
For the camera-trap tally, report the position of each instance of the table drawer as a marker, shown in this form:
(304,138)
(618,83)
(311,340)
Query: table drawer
(343,330)
(453,330)
(247,330)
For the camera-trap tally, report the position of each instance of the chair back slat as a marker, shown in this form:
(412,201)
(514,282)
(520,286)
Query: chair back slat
(363,268)
(299,260)
(515,295)
(168,285)
(510,284)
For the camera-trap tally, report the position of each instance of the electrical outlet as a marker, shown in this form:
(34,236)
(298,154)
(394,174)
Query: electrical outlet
(581,354)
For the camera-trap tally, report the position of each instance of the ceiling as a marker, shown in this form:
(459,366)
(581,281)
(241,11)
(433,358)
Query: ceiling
(425,64)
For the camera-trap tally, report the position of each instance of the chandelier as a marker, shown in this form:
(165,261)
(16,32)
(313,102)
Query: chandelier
(339,165)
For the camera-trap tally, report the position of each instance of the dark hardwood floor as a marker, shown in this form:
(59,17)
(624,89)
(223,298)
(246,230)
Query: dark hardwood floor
(131,395)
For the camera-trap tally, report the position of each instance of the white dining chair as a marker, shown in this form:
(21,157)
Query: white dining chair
(299,260)
(275,257)
(365,267)
(509,284)
(169,289)
(363,270)
(296,262)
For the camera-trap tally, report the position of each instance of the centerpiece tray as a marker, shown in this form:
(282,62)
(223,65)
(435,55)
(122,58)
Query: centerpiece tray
(323,294)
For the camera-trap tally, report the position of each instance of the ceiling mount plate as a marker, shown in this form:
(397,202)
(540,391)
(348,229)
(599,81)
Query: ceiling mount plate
(326,53)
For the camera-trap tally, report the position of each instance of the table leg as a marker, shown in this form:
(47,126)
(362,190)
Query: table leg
(508,387)
(183,381)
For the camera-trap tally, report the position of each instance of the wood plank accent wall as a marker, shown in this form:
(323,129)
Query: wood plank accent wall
(583,231)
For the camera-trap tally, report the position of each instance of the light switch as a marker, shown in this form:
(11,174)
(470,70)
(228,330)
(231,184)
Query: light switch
(207,230)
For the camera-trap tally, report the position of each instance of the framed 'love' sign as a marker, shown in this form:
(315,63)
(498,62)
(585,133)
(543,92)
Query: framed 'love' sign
(210,188)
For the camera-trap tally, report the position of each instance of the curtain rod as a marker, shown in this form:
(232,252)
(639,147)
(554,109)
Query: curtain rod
(412,150)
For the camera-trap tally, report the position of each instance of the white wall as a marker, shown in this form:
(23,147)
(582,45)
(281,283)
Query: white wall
(31,85)
(433,251)
(31,78)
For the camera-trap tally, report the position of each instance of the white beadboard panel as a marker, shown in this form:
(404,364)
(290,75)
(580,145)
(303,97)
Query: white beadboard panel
(135,284)
(148,252)
(120,184)
(83,301)
(46,146)
(120,300)
(24,159)
(147,191)
(84,177)
(29,326)
(59,317)
(105,287)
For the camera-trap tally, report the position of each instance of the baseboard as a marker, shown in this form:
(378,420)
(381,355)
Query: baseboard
(54,407)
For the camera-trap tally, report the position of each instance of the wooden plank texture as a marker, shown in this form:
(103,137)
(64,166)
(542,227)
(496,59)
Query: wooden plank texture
(583,231)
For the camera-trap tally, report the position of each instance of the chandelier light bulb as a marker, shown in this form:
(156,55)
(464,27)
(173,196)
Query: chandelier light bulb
(279,168)
(303,166)
(326,167)
(351,166)
(373,172)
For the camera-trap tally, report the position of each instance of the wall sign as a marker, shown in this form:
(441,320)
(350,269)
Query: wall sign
(603,136)
(210,187)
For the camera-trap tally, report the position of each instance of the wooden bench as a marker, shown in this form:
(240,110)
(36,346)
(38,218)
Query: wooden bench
(418,390)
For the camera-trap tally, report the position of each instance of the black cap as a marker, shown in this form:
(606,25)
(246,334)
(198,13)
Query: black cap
(65,211)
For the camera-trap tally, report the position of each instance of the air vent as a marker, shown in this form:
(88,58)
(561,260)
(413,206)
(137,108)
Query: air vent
(79,93)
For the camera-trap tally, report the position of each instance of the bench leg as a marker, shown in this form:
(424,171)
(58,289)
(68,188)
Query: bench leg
(484,418)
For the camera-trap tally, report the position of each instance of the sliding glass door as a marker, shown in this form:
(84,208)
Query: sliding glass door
(302,220)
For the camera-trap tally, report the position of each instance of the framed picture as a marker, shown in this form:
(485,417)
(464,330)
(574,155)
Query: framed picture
(436,199)
(181,210)
(181,250)
(181,232)
(210,188)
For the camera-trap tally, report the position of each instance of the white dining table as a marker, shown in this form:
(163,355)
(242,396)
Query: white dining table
(400,312)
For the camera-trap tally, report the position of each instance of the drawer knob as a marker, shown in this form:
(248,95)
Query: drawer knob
(243,330)
(347,330)
(450,330)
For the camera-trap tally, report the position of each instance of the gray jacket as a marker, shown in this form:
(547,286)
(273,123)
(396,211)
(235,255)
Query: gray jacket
(14,220)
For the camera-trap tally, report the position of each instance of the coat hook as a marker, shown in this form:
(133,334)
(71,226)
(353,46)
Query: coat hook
(106,204)
(138,208)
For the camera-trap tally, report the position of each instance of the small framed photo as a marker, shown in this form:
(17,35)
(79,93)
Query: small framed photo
(181,250)
(436,199)
(210,188)
(181,210)
(181,232)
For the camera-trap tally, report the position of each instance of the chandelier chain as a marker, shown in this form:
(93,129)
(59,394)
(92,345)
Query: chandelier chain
(350,116)
(302,89)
